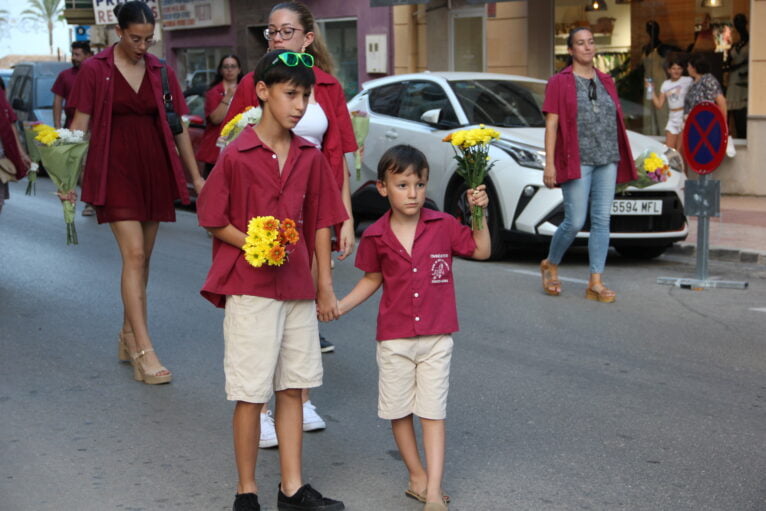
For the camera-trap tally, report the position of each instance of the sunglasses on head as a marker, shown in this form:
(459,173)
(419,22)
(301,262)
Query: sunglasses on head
(292,59)
(592,90)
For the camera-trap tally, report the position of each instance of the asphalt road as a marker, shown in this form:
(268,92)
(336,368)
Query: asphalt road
(656,402)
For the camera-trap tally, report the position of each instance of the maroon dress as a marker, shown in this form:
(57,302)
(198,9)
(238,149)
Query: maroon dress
(140,184)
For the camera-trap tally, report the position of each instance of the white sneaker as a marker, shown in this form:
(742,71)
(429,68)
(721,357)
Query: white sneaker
(311,419)
(268,433)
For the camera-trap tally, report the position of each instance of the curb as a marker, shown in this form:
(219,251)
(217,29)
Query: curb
(732,255)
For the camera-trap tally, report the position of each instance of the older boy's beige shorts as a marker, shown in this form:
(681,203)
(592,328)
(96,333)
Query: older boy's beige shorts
(269,345)
(413,377)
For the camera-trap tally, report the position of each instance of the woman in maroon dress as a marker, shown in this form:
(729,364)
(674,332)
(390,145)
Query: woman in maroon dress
(133,172)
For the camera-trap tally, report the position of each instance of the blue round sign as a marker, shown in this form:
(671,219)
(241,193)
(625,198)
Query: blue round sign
(704,138)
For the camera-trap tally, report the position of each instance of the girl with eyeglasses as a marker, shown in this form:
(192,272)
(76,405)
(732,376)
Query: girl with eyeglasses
(327,124)
(586,154)
(134,169)
(217,101)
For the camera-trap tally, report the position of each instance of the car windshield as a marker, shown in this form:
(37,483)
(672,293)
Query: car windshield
(44,94)
(502,103)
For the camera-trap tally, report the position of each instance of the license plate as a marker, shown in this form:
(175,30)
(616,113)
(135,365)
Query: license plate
(637,207)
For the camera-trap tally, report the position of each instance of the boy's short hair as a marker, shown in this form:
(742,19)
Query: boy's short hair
(400,158)
(270,70)
(81,45)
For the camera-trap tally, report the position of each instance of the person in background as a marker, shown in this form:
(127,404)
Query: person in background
(134,167)
(673,90)
(327,124)
(704,87)
(217,101)
(61,89)
(14,161)
(736,92)
(586,153)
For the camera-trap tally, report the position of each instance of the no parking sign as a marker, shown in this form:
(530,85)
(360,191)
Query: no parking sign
(704,138)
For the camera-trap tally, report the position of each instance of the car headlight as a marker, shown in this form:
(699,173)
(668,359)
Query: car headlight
(525,156)
(675,160)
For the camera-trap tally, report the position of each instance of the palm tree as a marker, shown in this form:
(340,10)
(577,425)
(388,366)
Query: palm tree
(4,16)
(47,12)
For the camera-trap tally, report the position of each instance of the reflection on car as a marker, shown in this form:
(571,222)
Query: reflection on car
(421,109)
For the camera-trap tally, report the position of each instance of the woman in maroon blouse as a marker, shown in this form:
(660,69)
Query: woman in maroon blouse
(133,172)
(217,101)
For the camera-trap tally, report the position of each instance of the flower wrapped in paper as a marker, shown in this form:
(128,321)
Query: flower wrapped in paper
(62,153)
(232,129)
(360,121)
(268,240)
(471,153)
(652,169)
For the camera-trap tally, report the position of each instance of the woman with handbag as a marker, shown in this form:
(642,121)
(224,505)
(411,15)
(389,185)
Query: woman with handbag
(586,153)
(132,105)
(14,161)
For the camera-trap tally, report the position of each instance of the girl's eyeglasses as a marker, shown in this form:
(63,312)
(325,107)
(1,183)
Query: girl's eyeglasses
(286,33)
(292,59)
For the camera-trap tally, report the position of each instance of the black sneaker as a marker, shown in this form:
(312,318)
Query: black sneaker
(325,346)
(307,499)
(246,502)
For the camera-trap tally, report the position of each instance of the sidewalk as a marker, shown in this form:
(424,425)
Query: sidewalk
(739,234)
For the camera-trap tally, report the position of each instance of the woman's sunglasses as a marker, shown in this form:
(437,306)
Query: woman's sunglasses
(592,90)
(292,59)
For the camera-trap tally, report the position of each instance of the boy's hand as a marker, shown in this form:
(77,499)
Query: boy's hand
(347,239)
(478,197)
(327,305)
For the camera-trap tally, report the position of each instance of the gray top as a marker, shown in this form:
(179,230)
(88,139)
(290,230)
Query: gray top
(596,124)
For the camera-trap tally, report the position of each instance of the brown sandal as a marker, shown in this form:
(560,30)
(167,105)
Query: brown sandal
(551,287)
(421,497)
(603,295)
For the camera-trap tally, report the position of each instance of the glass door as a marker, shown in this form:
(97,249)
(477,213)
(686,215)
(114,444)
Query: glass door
(467,40)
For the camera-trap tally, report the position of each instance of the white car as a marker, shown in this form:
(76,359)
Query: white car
(421,109)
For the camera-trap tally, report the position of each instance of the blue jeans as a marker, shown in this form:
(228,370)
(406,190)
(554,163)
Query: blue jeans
(595,186)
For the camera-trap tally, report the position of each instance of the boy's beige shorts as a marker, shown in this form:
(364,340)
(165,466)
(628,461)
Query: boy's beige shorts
(269,345)
(413,377)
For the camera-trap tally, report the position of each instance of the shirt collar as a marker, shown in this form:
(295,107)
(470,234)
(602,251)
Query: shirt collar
(383,225)
(249,139)
(108,55)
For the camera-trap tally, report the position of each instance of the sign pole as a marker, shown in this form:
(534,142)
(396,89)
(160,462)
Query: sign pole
(704,139)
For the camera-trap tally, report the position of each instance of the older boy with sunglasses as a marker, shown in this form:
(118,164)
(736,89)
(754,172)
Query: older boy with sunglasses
(270,325)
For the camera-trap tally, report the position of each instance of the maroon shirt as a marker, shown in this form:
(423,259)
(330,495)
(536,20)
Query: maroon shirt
(418,290)
(561,99)
(63,87)
(93,94)
(8,137)
(208,150)
(246,183)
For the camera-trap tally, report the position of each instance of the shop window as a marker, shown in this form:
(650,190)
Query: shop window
(340,37)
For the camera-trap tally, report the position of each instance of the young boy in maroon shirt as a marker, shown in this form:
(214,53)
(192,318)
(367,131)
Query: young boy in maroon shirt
(270,325)
(409,250)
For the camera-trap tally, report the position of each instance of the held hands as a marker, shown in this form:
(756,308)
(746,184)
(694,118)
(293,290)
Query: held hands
(327,305)
(549,176)
(478,197)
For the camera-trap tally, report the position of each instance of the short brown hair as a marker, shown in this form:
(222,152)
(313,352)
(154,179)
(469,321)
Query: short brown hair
(400,158)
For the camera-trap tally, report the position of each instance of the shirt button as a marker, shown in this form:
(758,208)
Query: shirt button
(273,155)
(417,318)
(414,270)
(416,295)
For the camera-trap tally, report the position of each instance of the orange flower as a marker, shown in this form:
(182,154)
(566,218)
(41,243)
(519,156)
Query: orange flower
(272,224)
(277,253)
(287,223)
(448,138)
(291,236)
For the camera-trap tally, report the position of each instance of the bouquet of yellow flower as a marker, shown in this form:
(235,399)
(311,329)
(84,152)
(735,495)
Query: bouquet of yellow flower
(652,169)
(471,149)
(232,129)
(268,239)
(62,153)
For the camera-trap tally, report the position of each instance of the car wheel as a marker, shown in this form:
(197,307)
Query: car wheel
(638,252)
(458,207)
